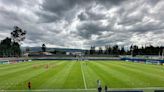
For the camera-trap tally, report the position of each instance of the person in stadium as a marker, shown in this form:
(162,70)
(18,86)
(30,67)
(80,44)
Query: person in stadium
(99,89)
(29,85)
(106,88)
(98,83)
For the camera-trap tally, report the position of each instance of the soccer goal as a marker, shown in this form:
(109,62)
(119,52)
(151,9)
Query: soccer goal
(4,62)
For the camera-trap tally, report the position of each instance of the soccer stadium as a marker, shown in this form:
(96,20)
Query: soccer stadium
(81,46)
(76,75)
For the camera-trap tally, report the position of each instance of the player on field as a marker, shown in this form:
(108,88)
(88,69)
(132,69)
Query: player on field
(99,85)
(99,89)
(29,85)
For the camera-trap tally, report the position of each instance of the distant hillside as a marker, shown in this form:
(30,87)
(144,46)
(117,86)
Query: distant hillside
(38,49)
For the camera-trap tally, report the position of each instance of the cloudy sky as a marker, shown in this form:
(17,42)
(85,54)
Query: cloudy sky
(82,23)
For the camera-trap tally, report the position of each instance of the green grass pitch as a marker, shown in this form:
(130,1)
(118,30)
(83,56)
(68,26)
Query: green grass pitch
(80,75)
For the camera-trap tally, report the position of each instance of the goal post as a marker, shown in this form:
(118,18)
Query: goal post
(4,61)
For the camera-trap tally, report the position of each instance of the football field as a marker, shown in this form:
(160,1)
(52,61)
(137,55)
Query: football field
(79,75)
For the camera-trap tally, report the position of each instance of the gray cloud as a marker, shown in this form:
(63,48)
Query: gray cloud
(87,29)
(82,23)
(11,2)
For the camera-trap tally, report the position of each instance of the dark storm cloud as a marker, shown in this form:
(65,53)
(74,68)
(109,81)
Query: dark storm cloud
(46,17)
(82,23)
(109,3)
(62,9)
(67,8)
(58,6)
(90,15)
(88,29)
(12,2)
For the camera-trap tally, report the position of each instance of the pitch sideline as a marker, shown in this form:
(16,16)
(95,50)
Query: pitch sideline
(84,80)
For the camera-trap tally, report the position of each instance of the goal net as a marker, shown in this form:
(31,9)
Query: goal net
(4,61)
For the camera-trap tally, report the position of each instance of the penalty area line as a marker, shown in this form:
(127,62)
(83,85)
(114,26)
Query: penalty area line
(84,81)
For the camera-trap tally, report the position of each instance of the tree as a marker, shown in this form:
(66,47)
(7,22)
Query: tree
(92,50)
(100,51)
(122,51)
(43,48)
(108,49)
(18,34)
(11,46)
(135,50)
(27,49)
(115,50)
(16,49)
(5,47)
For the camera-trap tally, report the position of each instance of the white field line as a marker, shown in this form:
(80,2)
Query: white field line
(155,88)
(43,90)
(85,85)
